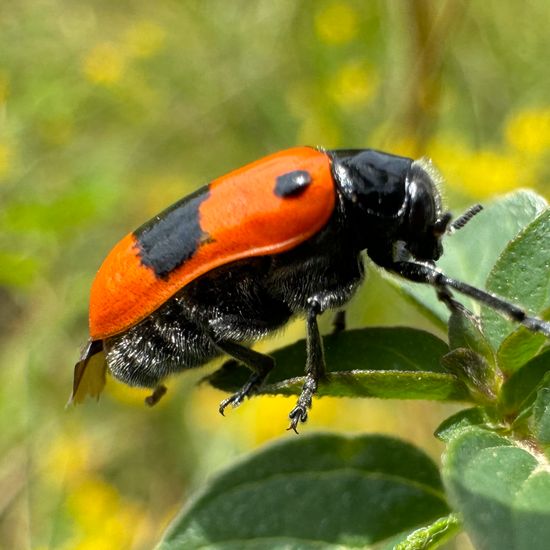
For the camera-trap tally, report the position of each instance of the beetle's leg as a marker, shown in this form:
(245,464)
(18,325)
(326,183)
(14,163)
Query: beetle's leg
(315,366)
(258,363)
(339,321)
(156,396)
(426,273)
(445,296)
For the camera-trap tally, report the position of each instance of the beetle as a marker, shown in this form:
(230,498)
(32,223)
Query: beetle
(281,237)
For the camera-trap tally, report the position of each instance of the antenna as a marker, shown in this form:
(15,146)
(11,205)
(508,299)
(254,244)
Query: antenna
(461,221)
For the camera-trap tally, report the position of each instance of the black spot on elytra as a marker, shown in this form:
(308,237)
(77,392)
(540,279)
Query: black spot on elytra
(292,183)
(172,237)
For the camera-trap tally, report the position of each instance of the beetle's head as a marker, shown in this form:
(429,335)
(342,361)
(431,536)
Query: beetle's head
(397,202)
(399,199)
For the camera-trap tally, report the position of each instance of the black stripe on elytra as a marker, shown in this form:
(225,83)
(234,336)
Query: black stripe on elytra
(173,236)
(292,183)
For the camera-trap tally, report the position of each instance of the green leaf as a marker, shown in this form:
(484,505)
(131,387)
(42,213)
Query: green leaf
(522,276)
(518,348)
(374,362)
(431,536)
(471,252)
(475,372)
(320,491)
(501,490)
(465,332)
(540,421)
(518,392)
(460,422)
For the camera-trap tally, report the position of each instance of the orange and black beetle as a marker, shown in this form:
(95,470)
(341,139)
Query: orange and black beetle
(278,238)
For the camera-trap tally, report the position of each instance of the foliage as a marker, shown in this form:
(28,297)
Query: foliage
(364,491)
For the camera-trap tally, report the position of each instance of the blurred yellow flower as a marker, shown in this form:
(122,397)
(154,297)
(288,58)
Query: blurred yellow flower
(104,64)
(450,154)
(104,521)
(336,23)
(6,159)
(529,131)
(144,39)
(91,502)
(68,459)
(264,418)
(480,173)
(267,417)
(490,172)
(353,84)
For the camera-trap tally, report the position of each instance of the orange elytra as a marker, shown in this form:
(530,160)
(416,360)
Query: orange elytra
(237,216)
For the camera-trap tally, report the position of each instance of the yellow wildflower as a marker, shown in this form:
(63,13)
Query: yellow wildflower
(336,23)
(353,84)
(267,417)
(144,39)
(528,131)
(103,519)
(480,173)
(68,458)
(104,64)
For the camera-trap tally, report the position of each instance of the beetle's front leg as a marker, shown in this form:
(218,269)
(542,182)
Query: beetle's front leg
(315,364)
(426,273)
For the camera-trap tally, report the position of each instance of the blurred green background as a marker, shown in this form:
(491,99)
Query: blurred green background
(109,111)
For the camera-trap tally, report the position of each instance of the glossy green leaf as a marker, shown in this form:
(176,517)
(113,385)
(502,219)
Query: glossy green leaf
(540,421)
(521,275)
(519,391)
(471,252)
(475,372)
(465,332)
(460,422)
(518,348)
(313,492)
(430,537)
(375,362)
(501,490)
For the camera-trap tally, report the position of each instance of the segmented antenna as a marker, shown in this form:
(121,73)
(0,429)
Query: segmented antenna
(461,221)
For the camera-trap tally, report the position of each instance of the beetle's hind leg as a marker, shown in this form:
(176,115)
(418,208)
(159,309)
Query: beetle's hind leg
(260,365)
(315,366)
(156,396)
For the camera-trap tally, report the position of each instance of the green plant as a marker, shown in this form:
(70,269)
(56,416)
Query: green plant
(329,491)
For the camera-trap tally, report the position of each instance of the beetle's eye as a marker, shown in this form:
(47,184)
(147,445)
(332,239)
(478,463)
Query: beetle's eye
(422,210)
